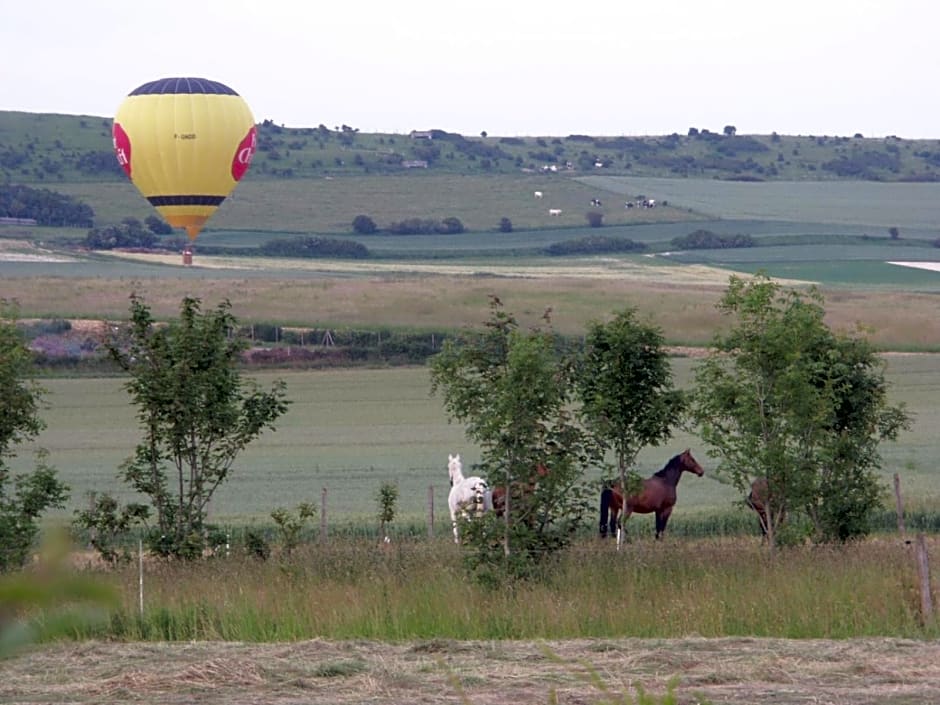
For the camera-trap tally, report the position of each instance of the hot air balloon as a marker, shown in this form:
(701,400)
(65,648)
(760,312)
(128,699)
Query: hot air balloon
(184,143)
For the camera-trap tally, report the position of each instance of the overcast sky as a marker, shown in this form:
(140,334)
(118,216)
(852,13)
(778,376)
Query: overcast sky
(510,67)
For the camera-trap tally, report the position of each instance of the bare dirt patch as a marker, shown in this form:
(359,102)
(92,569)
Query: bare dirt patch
(599,268)
(731,671)
(26,251)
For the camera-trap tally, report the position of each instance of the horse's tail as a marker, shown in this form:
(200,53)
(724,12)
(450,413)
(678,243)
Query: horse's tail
(607,495)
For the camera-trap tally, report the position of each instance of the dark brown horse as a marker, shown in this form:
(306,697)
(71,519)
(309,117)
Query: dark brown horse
(657,495)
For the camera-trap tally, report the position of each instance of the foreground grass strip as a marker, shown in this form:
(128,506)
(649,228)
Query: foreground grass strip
(419,590)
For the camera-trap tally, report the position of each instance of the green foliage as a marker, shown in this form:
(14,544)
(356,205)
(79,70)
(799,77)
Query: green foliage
(594,244)
(22,505)
(257,545)
(108,525)
(44,206)
(157,225)
(289,525)
(364,225)
(24,497)
(594,219)
(624,383)
(783,397)
(426,226)
(707,240)
(511,391)
(314,247)
(131,233)
(195,412)
(505,225)
(386,498)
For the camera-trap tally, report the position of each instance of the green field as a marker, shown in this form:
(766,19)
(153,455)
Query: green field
(351,430)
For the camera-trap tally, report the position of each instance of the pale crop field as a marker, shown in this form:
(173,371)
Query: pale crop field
(904,205)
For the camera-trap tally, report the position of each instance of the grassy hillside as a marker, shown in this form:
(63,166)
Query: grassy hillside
(56,148)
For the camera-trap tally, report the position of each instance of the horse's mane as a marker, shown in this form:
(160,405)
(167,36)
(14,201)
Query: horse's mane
(673,461)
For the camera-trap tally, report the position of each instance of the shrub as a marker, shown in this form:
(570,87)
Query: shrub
(364,225)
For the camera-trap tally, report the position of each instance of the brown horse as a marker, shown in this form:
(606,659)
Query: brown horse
(658,495)
(499,491)
(759,499)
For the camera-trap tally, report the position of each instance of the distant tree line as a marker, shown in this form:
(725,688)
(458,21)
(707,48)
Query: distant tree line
(365,225)
(707,240)
(314,247)
(132,233)
(593,245)
(44,206)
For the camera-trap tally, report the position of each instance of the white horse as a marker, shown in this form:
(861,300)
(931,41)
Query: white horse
(469,496)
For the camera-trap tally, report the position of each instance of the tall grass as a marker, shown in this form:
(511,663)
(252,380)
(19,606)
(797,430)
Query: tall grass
(419,590)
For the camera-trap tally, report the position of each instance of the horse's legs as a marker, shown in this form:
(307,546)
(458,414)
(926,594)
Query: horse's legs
(453,520)
(621,524)
(662,517)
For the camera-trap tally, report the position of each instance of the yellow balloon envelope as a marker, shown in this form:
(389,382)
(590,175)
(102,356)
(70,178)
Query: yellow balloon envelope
(185,143)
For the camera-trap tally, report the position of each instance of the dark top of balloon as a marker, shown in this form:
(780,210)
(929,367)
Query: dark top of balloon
(183,85)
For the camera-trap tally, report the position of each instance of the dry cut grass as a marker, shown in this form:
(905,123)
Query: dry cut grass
(735,671)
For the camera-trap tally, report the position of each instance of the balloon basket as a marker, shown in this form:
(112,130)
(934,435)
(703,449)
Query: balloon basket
(187,256)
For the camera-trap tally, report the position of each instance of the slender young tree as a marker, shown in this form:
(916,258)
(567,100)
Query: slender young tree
(196,414)
(625,387)
(784,399)
(511,390)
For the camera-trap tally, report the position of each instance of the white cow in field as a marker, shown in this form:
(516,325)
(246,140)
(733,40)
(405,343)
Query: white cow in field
(538,194)
(554,211)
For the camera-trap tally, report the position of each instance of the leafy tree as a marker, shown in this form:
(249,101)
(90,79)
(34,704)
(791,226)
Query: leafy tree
(894,232)
(157,225)
(505,225)
(108,523)
(23,497)
(196,415)
(450,226)
(730,130)
(364,225)
(289,524)
(511,390)
(594,219)
(783,397)
(625,387)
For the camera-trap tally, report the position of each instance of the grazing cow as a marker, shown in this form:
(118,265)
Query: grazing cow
(554,211)
(628,204)
(596,202)
(538,194)
(649,203)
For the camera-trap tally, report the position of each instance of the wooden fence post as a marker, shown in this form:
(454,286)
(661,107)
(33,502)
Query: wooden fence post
(323,516)
(430,511)
(899,503)
(923,572)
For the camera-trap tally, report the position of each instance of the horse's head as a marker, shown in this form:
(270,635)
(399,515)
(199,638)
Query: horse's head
(454,469)
(690,464)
